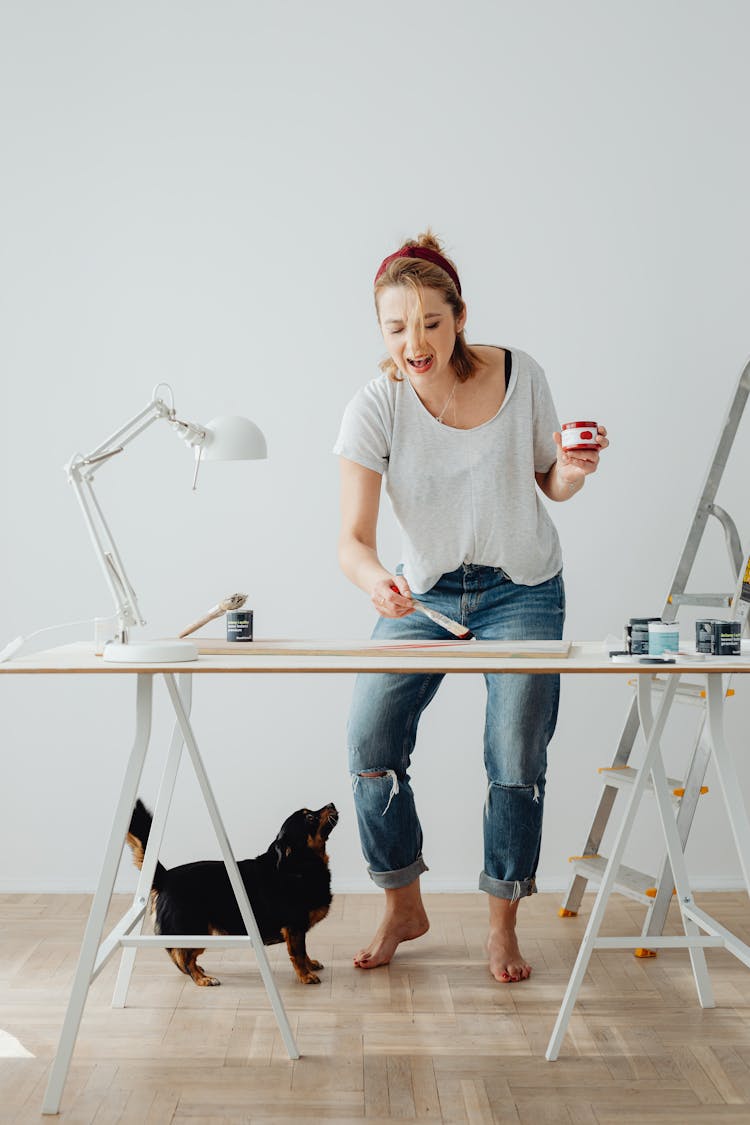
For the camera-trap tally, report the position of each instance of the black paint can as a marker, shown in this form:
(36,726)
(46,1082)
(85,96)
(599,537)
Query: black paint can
(240,625)
(727,638)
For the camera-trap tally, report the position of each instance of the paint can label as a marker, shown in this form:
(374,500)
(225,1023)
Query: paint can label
(579,435)
(636,635)
(662,637)
(704,634)
(240,625)
(727,638)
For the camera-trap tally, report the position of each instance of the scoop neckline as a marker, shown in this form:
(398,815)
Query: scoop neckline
(473,429)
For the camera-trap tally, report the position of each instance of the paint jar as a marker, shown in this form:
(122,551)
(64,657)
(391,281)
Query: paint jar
(579,435)
(727,638)
(704,634)
(240,625)
(636,635)
(663,637)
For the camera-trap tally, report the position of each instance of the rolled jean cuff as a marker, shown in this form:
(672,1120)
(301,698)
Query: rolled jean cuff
(512,889)
(390,880)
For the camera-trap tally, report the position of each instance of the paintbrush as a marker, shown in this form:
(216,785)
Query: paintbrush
(234,601)
(461,632)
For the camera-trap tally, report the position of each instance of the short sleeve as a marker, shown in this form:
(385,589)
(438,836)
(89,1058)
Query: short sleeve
(365,433)
(544,422)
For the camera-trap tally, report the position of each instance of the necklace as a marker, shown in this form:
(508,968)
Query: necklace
(439,417)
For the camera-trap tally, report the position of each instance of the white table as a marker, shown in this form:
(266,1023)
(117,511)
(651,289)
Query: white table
(284,657)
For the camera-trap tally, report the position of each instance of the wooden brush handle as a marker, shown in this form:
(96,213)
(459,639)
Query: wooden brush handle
(215,612)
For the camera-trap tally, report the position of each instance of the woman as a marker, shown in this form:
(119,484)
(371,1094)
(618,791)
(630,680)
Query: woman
(463,437)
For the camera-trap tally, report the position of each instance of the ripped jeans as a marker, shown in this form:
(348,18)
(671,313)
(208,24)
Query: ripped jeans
(520,720)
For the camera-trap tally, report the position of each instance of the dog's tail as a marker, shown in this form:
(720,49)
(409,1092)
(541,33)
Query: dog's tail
(137,838)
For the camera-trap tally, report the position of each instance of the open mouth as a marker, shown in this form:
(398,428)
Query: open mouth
(329,819)
(421,364)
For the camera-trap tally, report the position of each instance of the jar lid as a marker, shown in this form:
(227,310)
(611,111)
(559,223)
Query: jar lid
(575,425)
(642,620)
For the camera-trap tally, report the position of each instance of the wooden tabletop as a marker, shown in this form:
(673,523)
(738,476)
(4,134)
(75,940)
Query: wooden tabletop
(347,656)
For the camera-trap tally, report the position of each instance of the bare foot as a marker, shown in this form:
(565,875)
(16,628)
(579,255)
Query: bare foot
(404,919)
(506,961)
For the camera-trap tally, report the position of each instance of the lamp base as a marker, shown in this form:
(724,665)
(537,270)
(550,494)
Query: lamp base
(150,652)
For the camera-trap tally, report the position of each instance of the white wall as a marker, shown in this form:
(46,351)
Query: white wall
(200,192)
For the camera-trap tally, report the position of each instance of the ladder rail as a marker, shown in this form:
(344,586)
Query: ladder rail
(694,778)
(656,915)
(731,537)
(701,752)
(708,491)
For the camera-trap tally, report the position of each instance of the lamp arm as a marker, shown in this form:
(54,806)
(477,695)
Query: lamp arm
(117,441)
(105,548)
(132,428)
(81,470)
(115,566)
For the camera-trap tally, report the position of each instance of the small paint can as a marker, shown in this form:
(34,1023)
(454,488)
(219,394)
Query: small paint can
(727,638)
(240,625)
(663,637)
(579,435)
(636,635)
(704,634)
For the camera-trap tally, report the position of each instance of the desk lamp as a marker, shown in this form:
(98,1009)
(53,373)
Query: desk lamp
(229,438)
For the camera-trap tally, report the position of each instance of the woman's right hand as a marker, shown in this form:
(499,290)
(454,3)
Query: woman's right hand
(391,596)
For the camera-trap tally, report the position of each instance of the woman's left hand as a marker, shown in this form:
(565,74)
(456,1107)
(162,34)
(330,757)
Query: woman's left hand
(573,467)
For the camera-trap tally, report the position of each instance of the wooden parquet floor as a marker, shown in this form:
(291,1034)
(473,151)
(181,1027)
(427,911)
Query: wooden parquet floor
(430,1038)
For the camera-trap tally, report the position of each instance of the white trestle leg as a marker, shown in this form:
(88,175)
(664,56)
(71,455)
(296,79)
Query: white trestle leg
(233,871)
(155,839)
(610,872)
(91,939)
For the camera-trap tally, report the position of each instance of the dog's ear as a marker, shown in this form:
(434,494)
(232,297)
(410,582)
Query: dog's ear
(292,837)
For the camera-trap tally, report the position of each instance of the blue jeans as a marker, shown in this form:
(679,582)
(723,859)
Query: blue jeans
(519,723)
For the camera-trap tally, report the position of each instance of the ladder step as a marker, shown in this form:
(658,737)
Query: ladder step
(622,777)
(701,599)
(693,694)
(629,882)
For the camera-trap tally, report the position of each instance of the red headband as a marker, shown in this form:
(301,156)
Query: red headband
(427,255)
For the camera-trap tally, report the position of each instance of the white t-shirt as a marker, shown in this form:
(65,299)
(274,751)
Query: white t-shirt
(462,496)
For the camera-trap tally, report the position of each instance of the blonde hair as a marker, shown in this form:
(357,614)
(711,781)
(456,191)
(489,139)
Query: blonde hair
(416,275)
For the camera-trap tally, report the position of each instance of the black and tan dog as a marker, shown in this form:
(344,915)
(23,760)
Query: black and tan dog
(289,887)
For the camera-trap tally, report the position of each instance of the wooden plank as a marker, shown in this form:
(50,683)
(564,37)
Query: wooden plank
(210,646)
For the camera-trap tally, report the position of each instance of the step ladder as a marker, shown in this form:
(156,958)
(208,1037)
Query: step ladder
(655,891)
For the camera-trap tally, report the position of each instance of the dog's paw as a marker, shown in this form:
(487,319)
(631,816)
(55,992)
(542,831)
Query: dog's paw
(314,964)
(309,978)
(207,982)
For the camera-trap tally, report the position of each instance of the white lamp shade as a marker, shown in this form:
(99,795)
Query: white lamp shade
(233,438)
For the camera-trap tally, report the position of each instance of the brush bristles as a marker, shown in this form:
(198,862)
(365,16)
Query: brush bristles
(234,601)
